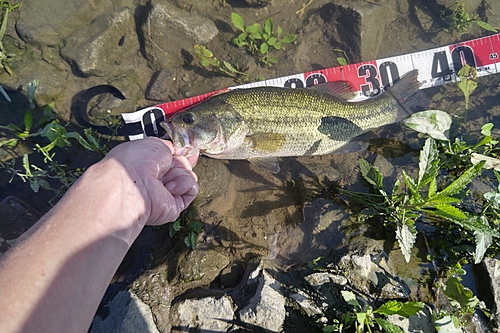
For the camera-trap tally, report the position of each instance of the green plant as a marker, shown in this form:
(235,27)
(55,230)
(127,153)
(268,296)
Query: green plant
(187,225)
(343,60)
(458,19)
(260,41)
(44,136)
(365,316)
(462,303)
(468,82)
(208,61)
(7,7)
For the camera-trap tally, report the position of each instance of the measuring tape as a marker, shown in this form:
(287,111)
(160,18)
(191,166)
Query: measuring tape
(436,66)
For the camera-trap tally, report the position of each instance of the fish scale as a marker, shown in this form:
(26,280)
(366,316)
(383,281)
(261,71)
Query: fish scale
(260,124)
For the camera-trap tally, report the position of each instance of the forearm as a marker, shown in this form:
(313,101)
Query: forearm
(71,254)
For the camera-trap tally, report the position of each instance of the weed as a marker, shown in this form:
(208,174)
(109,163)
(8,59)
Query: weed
(186,224)
(208,61)
(365,316)
(344,60)
(467,82)
(51,133)
(459,20)
(260,41)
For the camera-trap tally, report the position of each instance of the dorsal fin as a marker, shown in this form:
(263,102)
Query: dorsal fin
(343,90)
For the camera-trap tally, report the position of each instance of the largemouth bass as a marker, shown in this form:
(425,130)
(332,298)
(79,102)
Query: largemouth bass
(261,124)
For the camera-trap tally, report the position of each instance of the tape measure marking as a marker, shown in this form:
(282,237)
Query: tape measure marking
(436,66)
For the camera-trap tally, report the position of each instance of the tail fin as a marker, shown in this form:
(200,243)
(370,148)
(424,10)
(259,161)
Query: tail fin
(406,93)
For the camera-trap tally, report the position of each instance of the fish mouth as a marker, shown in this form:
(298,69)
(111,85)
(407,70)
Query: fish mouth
(180,139)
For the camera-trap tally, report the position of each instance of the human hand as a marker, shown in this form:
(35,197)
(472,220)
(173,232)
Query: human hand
(166,183)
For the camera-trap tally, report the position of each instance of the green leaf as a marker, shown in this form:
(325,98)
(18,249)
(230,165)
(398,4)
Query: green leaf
(271,41)
(447,211)
(447,324)
(237,21)
(461,182)
(268,27)
(342,61)
(486,129)
(434,123)
(457,292)
(280,31)
(428,163)
(388,326)
(410,185)
(483,242)
(410,309)
(406,238)
(252,29)
(389,308)
(264,48)
(31,88)
(361,317)
(289,38)
(28,120)
(432,188)
(350,298)
(277,45)
(486,26)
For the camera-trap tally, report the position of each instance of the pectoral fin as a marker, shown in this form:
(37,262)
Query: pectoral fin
(266,142)
(269,163)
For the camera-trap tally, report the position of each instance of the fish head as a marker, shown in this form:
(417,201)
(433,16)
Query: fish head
(211,128)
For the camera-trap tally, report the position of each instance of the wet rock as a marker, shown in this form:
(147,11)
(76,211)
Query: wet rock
(53,83)
(159,86)
(127,314)
(266,309)
(421,322)
(308,306)
(98,47)
(49,22)
(367,268)
(202,264)
(487,274)
(208,314)
(357,29)
(17,217)
(167,26)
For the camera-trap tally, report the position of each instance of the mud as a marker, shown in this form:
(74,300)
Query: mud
(288,219)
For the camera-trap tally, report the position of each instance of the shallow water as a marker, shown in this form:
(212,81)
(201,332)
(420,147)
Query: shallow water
(290,218)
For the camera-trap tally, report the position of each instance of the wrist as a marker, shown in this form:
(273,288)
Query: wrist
(113,199)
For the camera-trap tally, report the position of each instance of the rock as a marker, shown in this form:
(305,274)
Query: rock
(357,29)
(127,314)
(487,274)
(367,268)
(17,217)
(266,309)
(168,29)
(97,48)
(208,314)
(159,87)
(49,22)
(422,322)
(202,264)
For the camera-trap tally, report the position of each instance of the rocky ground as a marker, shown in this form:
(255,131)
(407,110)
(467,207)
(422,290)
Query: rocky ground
(251,269)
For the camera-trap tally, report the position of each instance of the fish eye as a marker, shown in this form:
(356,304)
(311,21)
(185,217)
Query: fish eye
(188,118)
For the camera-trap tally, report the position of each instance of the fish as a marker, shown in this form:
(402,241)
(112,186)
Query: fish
(263,123)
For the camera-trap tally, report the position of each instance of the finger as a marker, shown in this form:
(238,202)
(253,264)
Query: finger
(181,185)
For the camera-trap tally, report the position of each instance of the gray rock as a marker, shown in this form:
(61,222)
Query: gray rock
(488,276)
(49,22)
(422,322)
(319,279)
(168,30)
(368,269)
(127,314)
(159,86)
(266,309)
(17,217)
(98,47)
(202,264)
(208,314)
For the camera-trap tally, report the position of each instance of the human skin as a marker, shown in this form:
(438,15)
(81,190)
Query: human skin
(53,279)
